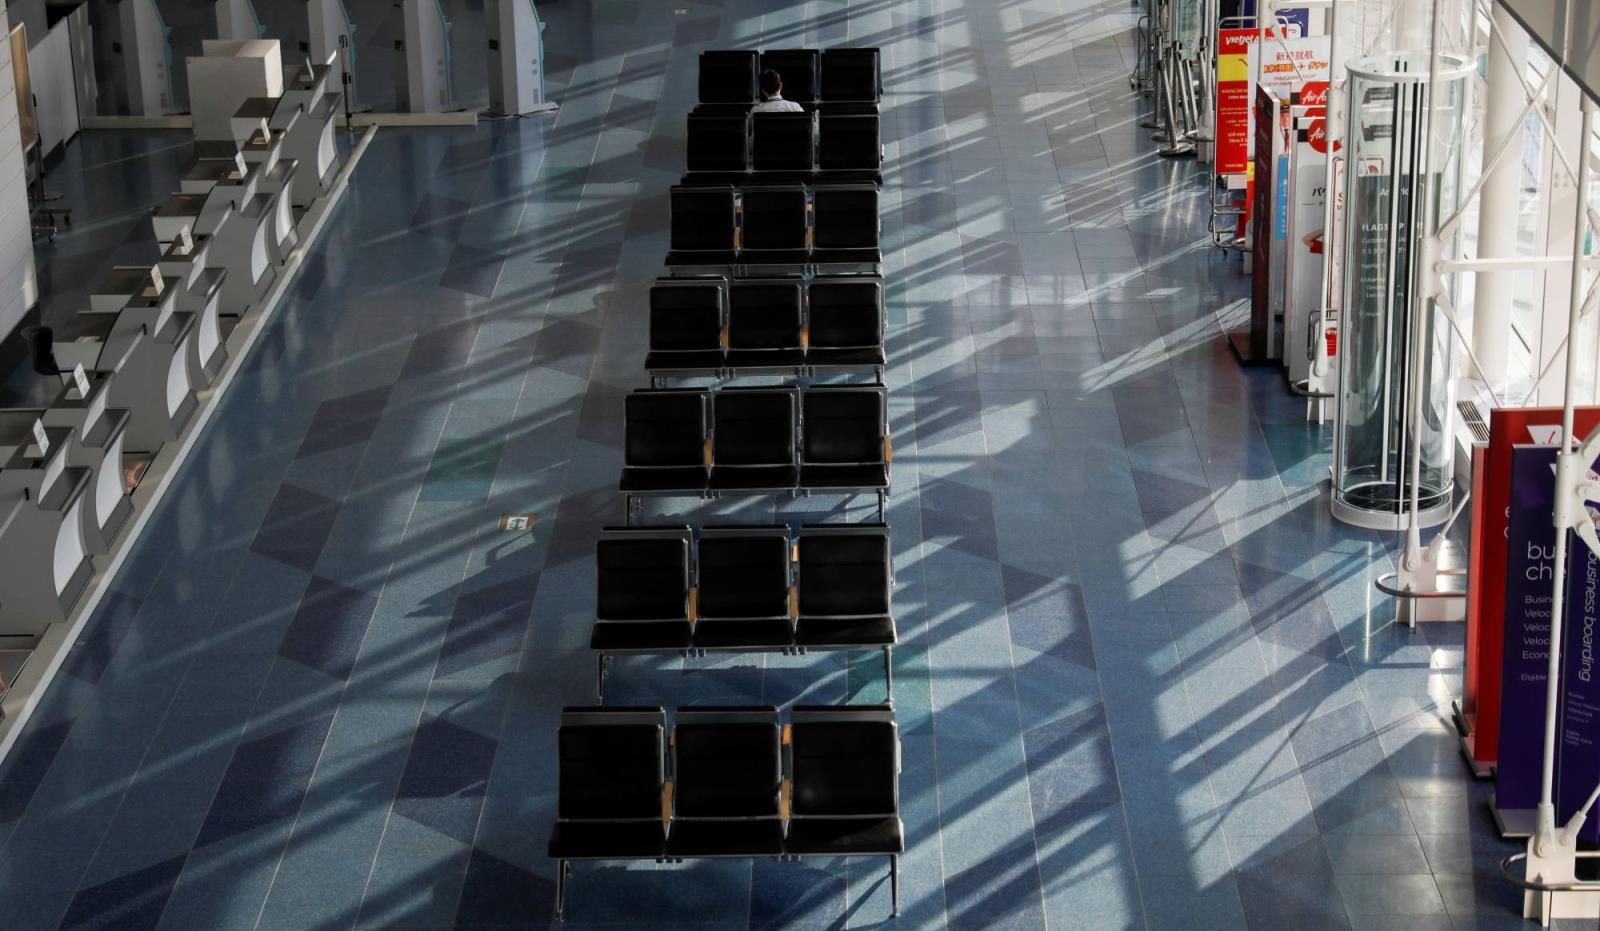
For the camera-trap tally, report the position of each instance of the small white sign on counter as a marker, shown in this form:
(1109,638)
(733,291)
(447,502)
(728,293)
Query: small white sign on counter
(156,284)
(238,164)
(81,379)
(41,438)
(185,240)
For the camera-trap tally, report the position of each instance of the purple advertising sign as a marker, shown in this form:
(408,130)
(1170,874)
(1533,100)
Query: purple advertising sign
(1530,555)
(1577,755)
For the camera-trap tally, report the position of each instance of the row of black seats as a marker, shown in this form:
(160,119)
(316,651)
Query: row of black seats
(731,782)
(692,442)
(781,227)
(784,147)
(810,78)
(758,326)
(742,589)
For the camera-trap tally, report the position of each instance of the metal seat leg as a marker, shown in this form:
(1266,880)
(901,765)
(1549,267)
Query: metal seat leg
(894,885)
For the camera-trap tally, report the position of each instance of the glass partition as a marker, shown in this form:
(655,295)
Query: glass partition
(1386,117)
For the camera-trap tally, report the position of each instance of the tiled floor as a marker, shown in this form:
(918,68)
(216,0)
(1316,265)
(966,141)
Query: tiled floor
(1145,680)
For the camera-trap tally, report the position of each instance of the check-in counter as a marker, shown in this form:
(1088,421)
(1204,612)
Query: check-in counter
(246,124)
(126,292)
(199,293)
(308,89)
(307,112)
(42,497)
(259,186)
(98,431)
(238,244)
(149,348)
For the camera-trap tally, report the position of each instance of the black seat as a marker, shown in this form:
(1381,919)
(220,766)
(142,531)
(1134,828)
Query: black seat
(664,440)
(847,224)
(718,143)
(702,227)
(845,443)
(783,142)
(686,320)
(727,768)
(642,590)
(728,77)
(738,778)
(849,146)
(743,592)
(765,323)
(800,69)
(845,325)
(845,575)
(753,445)
(610,783)
(774,231)
(845,789)
(849,75)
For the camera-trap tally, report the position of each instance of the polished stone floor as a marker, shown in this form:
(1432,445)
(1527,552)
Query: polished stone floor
(1145,681)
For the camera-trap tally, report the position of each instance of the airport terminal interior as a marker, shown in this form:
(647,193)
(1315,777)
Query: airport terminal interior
(1068,464)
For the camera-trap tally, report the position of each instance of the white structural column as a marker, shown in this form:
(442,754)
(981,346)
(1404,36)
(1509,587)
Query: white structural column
(1558,191)
(19,287)
(1497,204)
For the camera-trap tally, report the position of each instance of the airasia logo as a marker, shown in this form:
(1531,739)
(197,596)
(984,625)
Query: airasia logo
(1317,135)
(1314,94)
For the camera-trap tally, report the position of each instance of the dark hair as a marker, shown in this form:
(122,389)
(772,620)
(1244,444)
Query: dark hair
(771,82)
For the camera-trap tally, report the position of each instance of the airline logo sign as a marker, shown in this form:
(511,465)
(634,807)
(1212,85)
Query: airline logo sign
(1233,100)
(1317,135)
(1315,95)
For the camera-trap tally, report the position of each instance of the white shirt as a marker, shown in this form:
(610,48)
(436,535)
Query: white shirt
(776,104)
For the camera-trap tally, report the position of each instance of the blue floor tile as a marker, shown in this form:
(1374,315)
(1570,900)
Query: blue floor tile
(1141,681)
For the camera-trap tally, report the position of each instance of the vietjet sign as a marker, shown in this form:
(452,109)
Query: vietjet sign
(1236,41)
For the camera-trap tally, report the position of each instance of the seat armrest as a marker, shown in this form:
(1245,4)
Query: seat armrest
(827,714)
(586,714)
(727,714)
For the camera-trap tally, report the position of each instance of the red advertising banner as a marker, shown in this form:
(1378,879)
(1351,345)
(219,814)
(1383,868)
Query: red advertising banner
(1233,100)
(1486,594)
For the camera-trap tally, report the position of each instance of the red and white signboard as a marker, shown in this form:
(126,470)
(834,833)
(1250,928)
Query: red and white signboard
(1314,96)
(1294,69)
(1292,66)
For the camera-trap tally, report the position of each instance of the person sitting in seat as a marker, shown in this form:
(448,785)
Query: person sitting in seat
(772,95)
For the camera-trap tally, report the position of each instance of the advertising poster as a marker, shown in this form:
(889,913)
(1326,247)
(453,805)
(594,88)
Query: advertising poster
(1530,540)
(1268,216)
(1577,756)
(1486,585)
(1333,241)
(1289,65)
(1233,100)
(1303,302)
(1377,276)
